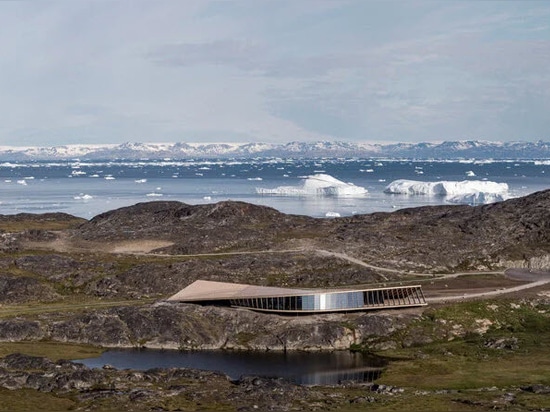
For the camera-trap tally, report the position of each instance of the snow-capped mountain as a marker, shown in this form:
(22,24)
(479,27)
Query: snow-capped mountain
(446,150)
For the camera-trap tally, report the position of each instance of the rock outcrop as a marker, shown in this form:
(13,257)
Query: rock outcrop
(155,389)
(425,238)
(187,326)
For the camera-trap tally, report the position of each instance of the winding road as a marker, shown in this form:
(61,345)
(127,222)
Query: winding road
(534,277)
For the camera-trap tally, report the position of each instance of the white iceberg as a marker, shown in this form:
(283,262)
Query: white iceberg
(83,196)
(332,214)
(468,192)
(477,198)
(317,185)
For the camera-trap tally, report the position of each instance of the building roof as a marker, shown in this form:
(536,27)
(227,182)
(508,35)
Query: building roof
(205,290)
(208,290)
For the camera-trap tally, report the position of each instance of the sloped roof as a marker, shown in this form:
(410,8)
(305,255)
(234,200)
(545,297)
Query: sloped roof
(208,290)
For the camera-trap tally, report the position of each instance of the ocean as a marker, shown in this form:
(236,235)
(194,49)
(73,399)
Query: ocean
(88,188)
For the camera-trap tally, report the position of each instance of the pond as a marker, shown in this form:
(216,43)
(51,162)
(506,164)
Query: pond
(306,368)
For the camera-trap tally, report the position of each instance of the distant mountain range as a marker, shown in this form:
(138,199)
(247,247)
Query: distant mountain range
(446,150)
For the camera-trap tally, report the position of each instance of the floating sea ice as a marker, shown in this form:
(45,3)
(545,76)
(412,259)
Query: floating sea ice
(154,194)
(468,192)
(254,178)
(477,198)
(444,188)
(317,185)
(207,197)
(83,196)
(140,180)
(109,177)
(22,182)
(332,214)
(470,173)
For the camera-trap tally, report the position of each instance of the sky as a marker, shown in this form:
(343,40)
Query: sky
(114,71)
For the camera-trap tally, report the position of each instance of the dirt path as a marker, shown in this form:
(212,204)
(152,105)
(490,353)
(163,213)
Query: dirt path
(146,247)
(490,293)
(535,278)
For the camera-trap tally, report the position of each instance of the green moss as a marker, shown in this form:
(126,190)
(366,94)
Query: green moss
(32,400)
(243,338)
(32,224)
(51,350)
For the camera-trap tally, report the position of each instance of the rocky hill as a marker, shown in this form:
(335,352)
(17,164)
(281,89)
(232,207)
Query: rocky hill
(425,238)
(453,237)
(46,258)
(224,226)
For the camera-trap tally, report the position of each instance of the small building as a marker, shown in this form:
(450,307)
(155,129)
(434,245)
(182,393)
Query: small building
(295,301)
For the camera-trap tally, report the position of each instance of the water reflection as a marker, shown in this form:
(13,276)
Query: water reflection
(318,368)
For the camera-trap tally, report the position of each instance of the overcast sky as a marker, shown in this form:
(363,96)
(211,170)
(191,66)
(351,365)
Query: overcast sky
(110,71)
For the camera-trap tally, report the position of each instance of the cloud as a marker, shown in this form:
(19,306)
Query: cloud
(241,54)
(277,70)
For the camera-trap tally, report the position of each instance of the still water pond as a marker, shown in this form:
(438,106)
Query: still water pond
(323,368)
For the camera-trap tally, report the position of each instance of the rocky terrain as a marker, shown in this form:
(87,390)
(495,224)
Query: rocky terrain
(425,238)
(187,326)
(106,257)
(103,282)
(155,389)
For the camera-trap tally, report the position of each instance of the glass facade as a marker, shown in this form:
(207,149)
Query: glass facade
(337,301)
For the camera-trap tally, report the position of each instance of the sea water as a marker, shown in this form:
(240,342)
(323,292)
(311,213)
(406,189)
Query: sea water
(88,188)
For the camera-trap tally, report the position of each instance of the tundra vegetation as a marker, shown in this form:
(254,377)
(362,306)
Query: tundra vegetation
(69,288)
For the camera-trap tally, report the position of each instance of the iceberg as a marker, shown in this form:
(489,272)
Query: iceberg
(83,196)
(477,198)
(467,191)
(316,185)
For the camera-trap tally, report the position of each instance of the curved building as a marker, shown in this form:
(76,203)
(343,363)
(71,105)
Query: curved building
(282,300)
